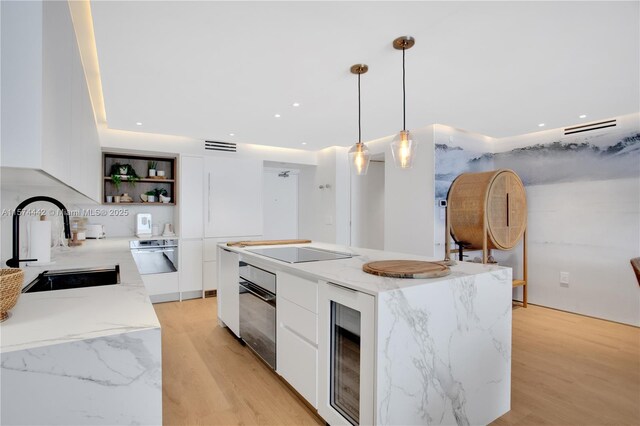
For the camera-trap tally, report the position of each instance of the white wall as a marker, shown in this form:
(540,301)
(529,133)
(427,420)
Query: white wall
(308,198)
(20,184)
(121,140)
(367,207)
(409,196)
(583,214)
(280,204)
(589,228)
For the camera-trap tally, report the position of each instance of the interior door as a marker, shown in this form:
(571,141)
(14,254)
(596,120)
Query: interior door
(280,206)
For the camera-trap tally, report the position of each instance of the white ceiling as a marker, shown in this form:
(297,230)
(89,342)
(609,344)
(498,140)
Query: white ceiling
(207,69)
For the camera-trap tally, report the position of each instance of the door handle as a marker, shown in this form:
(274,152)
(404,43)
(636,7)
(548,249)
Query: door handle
(343,287)
(209,198)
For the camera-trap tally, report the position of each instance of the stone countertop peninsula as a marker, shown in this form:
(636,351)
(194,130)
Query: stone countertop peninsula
(83,356)
(442,346)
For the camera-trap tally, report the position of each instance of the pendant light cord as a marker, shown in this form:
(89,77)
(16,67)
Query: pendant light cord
(359,113)
(404,96)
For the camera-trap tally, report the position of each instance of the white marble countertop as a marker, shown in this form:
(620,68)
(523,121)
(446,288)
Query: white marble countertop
(51,317)
(349,273)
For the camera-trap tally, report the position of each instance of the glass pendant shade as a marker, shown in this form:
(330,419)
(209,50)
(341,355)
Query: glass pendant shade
(359,157)
(403,149)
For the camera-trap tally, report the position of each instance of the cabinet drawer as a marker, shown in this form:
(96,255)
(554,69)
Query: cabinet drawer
(298,319)
(161,283)
(299,290)
(298,364)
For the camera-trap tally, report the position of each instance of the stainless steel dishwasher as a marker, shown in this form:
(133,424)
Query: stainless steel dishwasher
(257,289)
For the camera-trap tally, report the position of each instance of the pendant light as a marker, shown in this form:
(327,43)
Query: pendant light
(403,148)
(359,155)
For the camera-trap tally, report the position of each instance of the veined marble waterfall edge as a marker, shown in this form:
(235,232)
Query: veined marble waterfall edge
(444,351)
(108,380)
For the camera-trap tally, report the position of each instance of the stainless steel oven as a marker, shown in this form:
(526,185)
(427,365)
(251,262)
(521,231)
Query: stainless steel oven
(257,289)
(155,256)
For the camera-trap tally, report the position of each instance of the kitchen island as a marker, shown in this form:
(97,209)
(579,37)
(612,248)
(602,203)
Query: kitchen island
(364,349)
(83,356)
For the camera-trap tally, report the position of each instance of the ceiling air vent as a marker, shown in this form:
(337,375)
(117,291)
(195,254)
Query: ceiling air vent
(589,127)
(220,146)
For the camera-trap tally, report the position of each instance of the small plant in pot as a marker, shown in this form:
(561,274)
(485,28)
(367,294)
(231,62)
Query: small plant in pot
(152,168)
(151,196)
(154,195)
(118,171)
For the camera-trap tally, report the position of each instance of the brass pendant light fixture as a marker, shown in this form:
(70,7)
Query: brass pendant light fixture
(403,147)
(359,155)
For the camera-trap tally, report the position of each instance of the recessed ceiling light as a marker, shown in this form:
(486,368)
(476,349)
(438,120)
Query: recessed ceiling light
(296,104)
(541,125)
(304,143)
(232,134)
(277,116)
(138,123)
(583,116)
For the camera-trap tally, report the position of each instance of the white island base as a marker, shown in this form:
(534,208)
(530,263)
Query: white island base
(429,351)
(444,352)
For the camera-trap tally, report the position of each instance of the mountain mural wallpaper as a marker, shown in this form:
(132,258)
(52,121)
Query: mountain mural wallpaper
(602,157)
(583,199)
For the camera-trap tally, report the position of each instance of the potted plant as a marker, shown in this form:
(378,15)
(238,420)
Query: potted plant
(117,181)
(155,194)
(119,170)
(152,168)
(151,196)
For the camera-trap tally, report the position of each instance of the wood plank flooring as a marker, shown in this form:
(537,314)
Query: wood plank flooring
(566,370)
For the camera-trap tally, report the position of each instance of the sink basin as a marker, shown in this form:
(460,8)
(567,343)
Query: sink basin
(74,278)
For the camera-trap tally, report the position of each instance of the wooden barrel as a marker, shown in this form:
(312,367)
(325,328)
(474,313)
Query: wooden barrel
(497,197)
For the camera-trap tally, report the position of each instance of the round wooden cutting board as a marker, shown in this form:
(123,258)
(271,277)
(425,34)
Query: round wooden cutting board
(406,269)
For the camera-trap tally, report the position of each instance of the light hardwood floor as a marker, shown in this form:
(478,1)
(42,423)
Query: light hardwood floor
(566,370)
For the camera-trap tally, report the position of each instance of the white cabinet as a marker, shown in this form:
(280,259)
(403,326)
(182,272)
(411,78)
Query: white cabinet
(297,362)
(234,197)
(209,275)
(346,347)
(297,336)
(190,268)
(228,297)
(191,197)
(162,287)
(48,121)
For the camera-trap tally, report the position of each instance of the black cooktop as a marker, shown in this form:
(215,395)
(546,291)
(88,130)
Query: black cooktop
(300,254)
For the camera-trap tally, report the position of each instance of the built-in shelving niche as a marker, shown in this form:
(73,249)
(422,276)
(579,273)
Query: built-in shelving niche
(145,183)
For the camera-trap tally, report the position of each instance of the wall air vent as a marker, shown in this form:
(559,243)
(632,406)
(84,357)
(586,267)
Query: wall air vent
(589,127)
(220,146)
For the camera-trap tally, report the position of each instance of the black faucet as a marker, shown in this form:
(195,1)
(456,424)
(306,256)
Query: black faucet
(14,262)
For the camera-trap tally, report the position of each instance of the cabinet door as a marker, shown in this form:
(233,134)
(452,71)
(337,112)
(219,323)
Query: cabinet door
(298,363)
(191,197)
(210,275)
(228,298)
(346,355)
(190,266)
(234,201)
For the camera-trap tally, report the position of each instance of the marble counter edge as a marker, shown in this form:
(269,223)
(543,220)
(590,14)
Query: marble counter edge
(129,306)
(349,271)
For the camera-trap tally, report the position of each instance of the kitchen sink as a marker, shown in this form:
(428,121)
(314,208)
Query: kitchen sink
(74,278)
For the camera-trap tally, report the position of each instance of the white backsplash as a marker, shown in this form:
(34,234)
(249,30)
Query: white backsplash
(120,220)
